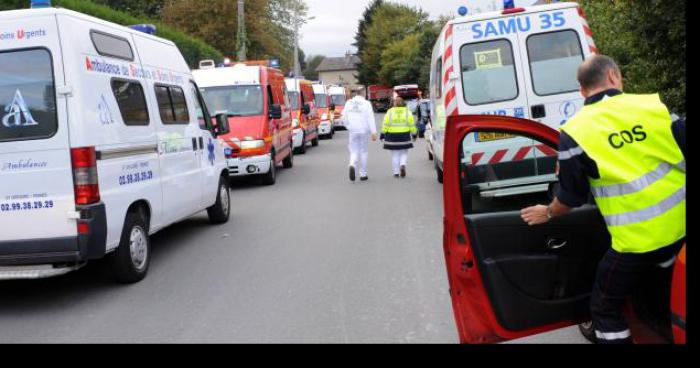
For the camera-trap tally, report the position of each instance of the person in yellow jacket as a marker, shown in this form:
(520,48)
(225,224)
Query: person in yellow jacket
(398,134)
(628,151)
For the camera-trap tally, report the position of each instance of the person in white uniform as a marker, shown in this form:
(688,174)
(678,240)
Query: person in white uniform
(358,116)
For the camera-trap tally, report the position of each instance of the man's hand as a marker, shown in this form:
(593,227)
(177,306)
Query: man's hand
(374,137)
(536,215)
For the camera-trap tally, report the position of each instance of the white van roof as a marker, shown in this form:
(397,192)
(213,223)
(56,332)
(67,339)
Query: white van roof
(337,91)
(292,84)
(319,88)
(16,15)
(499,13)
(239,74)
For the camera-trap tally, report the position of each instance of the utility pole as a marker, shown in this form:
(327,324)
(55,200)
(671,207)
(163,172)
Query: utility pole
(241,36)
(296,46)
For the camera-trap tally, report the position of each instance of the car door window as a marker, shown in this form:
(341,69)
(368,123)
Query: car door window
(131,101)
(505,172)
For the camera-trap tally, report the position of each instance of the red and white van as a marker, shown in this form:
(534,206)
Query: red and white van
(260,117)
(323,104)
(339,96)
(305,118)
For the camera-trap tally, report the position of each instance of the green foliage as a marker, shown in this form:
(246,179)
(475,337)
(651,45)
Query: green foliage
(397,61)
(312,63)
(192,49)
(647,39)
(145,8)
(391,24)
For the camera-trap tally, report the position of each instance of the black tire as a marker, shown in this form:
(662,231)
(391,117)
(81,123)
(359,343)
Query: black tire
(220,212)
(588,332)
(288,162)
(271,177)
(125,269)
(430,157)
(314,142)
(440,175)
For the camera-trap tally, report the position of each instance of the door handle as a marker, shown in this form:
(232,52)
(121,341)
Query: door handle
(538,111)
(194,144)
(556,244)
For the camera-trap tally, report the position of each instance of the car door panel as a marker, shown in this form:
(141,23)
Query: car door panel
(528,284)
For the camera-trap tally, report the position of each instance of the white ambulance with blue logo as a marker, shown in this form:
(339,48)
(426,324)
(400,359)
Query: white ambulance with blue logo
(518,62)
(104,140)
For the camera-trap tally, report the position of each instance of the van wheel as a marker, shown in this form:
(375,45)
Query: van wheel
(314,142)
(271,177)
(220,212)
(288,162)
(439,173)
(588,332)
(131,259)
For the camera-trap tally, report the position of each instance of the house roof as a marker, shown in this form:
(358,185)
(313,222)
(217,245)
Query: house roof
(332,64)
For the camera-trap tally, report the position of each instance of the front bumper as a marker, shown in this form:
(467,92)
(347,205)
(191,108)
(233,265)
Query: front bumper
(325,128)
(39,258)
(298,138)
(246,166)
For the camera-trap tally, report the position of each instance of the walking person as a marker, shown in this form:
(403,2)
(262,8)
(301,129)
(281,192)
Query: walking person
(629,151)
(398,134)
(358,116)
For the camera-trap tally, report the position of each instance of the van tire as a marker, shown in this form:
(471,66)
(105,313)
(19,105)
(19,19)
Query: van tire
(440,175)
(430,157)
(314,142)
(288,162)
(220,212)
(302,150)
(271,177)
(588,332)
(124,269)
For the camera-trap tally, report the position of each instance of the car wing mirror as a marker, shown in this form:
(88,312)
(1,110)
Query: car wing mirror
(222,126)
(307,109)
(275,112)
(332,107)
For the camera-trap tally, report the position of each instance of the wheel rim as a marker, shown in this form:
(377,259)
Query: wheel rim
(587,325)
(138,247)
(223,198)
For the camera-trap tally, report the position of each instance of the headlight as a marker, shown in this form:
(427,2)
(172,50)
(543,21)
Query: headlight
(295,123)
(324,117)
(246,145)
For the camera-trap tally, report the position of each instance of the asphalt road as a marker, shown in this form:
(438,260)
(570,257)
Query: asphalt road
(314,259)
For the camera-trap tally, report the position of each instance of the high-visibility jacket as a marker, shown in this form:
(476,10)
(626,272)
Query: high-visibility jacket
(642,185)
(399,120)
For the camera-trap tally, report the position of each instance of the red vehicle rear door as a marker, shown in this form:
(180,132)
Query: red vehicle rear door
(509,280)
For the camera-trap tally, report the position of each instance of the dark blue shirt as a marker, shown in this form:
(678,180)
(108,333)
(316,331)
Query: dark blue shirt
(574,188)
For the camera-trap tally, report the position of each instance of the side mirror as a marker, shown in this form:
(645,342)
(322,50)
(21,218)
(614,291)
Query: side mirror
(222,127)
(332,107)
(307,109)
(275,112)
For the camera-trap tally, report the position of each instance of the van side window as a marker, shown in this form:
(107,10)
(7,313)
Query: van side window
(438,79)
(113,46)
(554,60)
(488,72)
(27,95)
(131,101)
(172,105)
(270,97)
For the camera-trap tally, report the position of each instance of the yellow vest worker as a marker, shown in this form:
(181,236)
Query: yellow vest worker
(398,133)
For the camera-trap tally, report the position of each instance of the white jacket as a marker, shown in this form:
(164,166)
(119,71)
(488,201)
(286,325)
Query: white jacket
(358,116)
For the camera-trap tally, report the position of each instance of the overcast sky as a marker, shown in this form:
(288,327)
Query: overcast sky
(333,31)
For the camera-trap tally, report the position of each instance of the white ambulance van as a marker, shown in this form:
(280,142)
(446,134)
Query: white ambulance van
(339,96)
(104,140)
(519,62)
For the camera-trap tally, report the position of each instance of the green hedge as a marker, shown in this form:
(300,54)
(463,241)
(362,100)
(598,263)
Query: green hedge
(191,48)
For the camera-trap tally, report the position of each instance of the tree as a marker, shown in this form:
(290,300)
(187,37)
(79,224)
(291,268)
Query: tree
(146,8)
(364,74)
(648,41)
(398,66)
(390,23)
(312,63)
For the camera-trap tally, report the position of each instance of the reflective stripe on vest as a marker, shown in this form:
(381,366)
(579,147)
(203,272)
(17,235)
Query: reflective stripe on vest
(641,191)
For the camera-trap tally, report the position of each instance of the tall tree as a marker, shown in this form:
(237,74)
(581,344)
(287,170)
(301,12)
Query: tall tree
(363,73)
(147,8)
(391,23)
(312,63)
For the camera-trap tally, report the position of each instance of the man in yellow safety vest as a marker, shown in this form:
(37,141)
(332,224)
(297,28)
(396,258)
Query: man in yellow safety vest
(629,152)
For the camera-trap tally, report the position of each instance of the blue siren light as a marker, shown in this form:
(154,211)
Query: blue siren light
(38,4)
(463,10)
(508,4)
(145,28)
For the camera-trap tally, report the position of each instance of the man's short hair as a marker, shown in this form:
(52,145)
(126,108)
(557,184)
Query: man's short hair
(593,72)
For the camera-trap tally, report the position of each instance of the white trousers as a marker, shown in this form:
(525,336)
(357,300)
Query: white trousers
(359,151)
(399,158)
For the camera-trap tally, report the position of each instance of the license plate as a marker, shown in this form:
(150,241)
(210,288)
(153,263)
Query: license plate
(487,137)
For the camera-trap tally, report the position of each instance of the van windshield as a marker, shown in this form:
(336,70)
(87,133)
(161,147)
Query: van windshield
(27,95)
(321,101)
(338,100)
(294,99)
(234,101)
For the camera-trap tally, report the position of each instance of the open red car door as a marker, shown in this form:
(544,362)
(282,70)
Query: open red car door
(509,280)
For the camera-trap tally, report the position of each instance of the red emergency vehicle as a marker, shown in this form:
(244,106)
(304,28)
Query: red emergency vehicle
(339,96)
(380,97)
(323,104)
(305,118)
(255,99)
(509,280)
